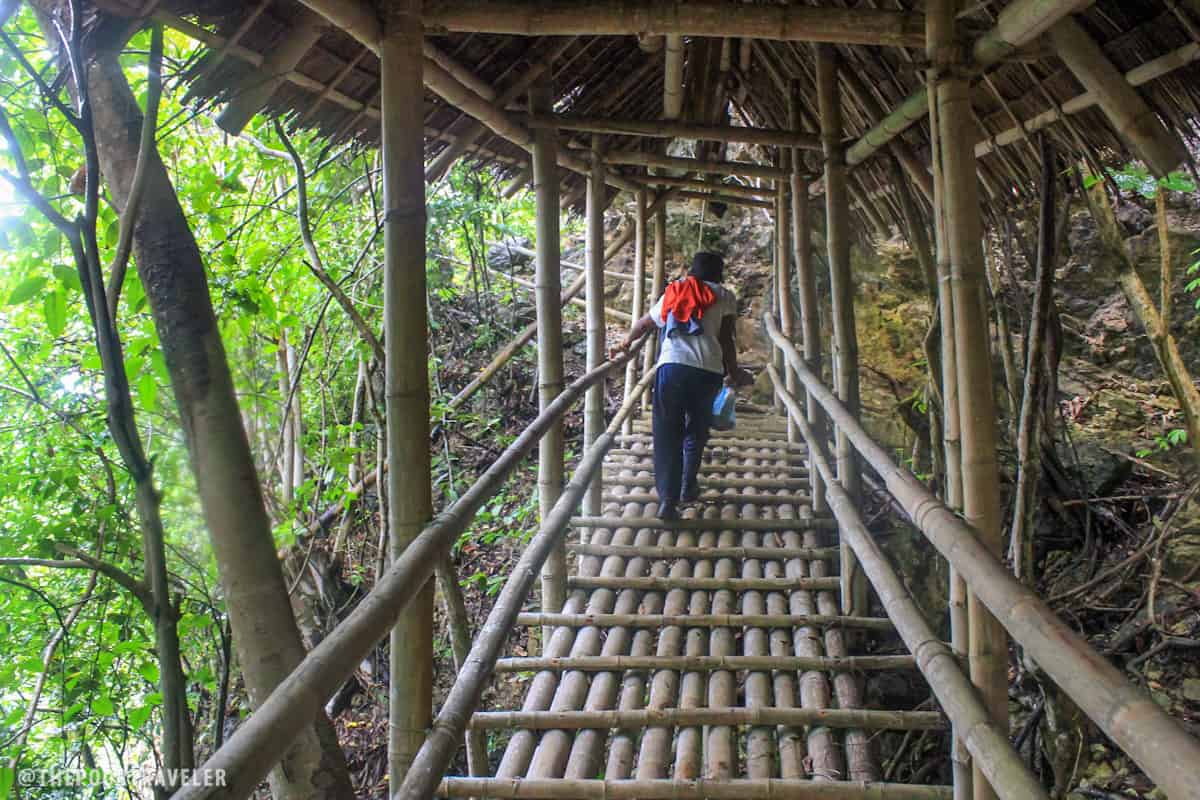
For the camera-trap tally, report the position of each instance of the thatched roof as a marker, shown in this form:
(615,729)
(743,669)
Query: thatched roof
(620,77)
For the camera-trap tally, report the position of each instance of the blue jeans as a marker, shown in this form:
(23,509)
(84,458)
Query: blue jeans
(683,399)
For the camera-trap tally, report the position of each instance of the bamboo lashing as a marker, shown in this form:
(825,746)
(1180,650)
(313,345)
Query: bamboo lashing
(1126,714)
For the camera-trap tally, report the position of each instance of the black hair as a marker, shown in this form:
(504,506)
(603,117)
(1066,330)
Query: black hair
(708,266)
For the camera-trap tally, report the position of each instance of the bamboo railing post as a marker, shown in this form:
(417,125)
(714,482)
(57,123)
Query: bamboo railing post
(845,339)
(410,502)
(657,285)
(960,759)
(779,267)
(638,306)
(593,409)
(549,340)
(987,644)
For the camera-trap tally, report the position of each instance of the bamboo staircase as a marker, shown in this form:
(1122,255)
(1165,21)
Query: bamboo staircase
(706,658)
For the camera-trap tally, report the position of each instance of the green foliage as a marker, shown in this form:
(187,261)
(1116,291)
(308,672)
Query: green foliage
(1136,178)
(60,480)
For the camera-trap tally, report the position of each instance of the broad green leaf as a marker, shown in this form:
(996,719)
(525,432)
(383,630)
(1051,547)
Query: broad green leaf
(68,276)
(26,290)
(55,308)
(8,777)
(102,706)
(139,716)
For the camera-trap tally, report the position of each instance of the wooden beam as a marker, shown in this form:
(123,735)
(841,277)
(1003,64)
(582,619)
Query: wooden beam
(1018,24)
(1126,110)
(731,189)
(666,129)
(727,199)
(695,165)
(711,18)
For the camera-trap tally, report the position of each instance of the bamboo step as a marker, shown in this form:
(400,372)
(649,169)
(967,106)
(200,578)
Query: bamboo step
(762,525)
(709,452)
(652,584)
(654,621)
(722,441)
(686,717)
(706,663)
(676,789)
(712,469)
(774,553)
(714,483)
(713,499)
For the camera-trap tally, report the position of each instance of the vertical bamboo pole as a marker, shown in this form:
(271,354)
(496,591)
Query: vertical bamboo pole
(410,503)
(959,623)
(657,284)
(987,646)
(806,277)
(638,307)
(593,409)
(845,339)
(548,290)
(778,268)
(783,281)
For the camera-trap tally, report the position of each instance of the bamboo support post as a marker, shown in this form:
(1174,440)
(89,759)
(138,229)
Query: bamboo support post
(960,757)
(1130,115)
(657,285)
(593,411)
(548,290)
(687,789)
(987,643)
(406,392)
(756,620)
(1126,714)
(262,739)
(841,283)
(999,761)
(702,663)
(638,303)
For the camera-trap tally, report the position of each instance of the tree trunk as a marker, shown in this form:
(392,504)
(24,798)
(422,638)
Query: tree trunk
(172,272)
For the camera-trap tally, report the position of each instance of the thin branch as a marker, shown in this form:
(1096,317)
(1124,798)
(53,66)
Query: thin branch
(111,571)
(146,147)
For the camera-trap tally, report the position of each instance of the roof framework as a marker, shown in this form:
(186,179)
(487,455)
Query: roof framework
(607,66)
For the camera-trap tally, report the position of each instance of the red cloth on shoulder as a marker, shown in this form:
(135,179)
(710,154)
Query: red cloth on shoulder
(687,298)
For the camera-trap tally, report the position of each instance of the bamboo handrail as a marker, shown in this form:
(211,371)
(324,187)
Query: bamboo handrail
(693,663)
(447,730)
(679,789)
(678,717)
(263,739)
(704,620)
(1126,714)
(999,761)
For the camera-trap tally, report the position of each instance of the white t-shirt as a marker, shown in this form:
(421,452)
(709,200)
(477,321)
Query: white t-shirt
(702,350)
